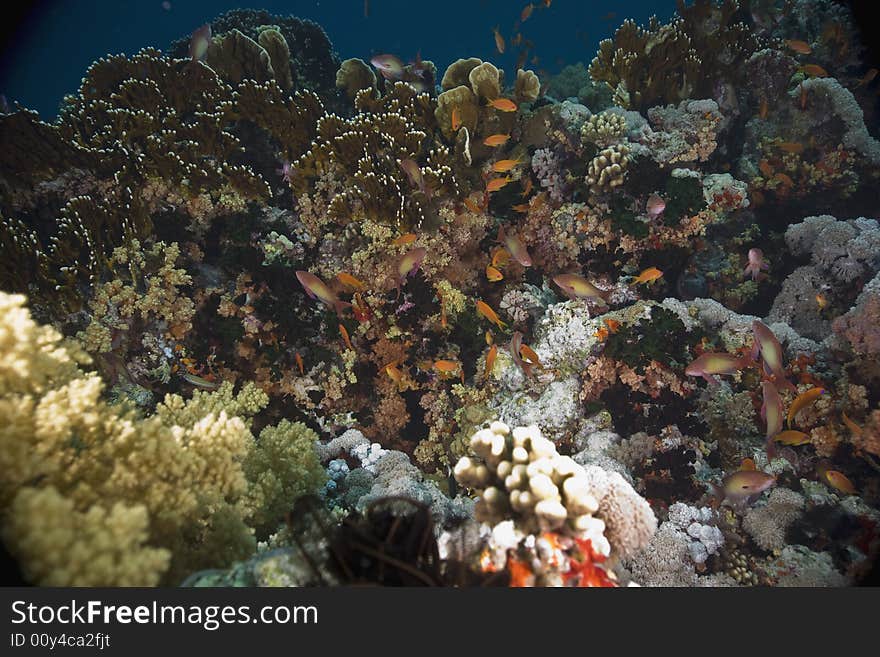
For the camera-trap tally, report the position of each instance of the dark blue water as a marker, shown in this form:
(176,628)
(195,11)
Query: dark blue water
(47,53)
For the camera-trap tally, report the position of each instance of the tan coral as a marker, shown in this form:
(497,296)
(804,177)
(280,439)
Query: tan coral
(608,169)
(485,81)
(458,72)
(527,88)
(604,129)
(353,75)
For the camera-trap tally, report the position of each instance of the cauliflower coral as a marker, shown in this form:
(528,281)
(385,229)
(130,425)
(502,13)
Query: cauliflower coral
(92,494)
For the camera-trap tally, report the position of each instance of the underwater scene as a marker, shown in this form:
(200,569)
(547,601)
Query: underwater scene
(549,293)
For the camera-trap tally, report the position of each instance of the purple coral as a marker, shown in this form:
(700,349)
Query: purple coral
(546,166)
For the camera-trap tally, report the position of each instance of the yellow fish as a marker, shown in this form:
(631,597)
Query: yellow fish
(839,481)
(802,401)
(792,437)
(493,274)
(500,257)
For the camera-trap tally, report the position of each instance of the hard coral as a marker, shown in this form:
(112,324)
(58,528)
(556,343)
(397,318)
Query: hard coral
(686,58)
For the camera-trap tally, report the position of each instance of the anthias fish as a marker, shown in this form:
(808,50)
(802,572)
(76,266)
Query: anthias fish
(486,311)
(767,346)
(389,66)
(496,140)
(577,287)
(515,246)
(199,42)
(756,264)
(792,437)
(648,276)
(317,289)
(744,485)
(710,365)
(503,104)
(802,401)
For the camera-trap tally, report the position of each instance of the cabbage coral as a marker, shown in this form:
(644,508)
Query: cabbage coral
(147,500)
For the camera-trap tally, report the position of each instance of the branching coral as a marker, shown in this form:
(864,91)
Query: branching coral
(667,63)
(368,152)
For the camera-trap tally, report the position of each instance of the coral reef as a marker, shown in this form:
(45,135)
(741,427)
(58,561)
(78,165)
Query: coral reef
(265,312)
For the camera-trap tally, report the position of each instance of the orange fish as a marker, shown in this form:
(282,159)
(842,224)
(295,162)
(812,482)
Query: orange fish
(870,75)
(359,309)
(784,179)
(299,363)
(649,275)
(765,168)
(496,140)
(501,257)
(395,374)
(791,147)
(522,207)
(802,401)
(493,274)
(839,481)
(527,353)
(612,324)
(446,366)
(403,240)
(503,104)
(792,437)
(527,187)
(748,464)
(456,120)
(764,108)
(852,426)
(814,71)
(602,334)
(486,311)
(490,360)
(350,281)
(800,47)
(471,205)
(526,12)
(821,301)
(497,183)
(803,97)
(503,166)
(499,41)
(344,333)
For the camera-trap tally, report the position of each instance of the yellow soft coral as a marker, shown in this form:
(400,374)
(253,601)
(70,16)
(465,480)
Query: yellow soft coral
(176,489)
